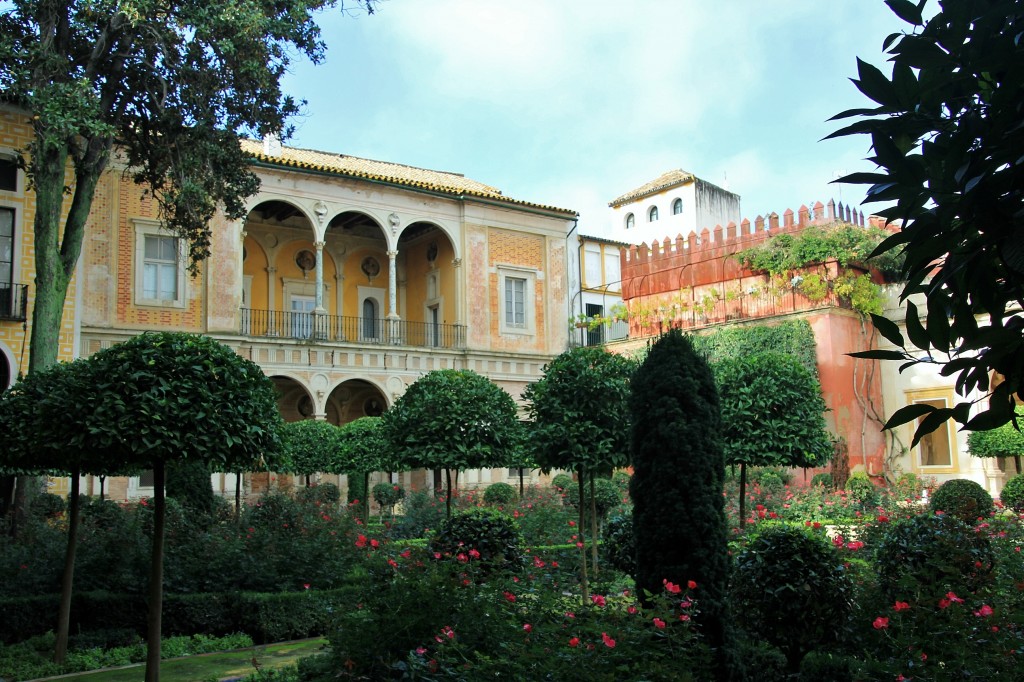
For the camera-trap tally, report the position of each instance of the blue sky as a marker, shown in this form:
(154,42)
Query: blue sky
(574,102)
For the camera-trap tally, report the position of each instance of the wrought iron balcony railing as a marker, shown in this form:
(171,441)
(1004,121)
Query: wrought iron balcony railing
(13,301)
(335,328)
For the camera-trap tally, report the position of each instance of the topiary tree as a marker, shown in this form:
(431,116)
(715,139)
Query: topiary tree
(388,495)
(189,483)
(453,420)
(772,414)
(792,590)
(310,446)
(163,397)
(1012,495)
(1005,441)
(363,449)
(581,420)
(493,534)
(46,427)
(499,493)
(679,522)
(962,498)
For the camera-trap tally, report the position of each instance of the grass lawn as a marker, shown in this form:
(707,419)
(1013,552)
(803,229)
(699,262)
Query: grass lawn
(210,666)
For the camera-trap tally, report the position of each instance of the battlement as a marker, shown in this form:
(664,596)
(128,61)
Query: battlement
(720,241)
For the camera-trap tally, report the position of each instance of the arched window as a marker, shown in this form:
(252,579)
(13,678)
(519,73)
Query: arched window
(652,214)
(630,221)
(370,330)
(677,207)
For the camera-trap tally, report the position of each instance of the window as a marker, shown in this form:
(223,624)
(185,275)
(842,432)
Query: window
(516,300)
(160,270)
(652,214)
(595,335)
(371,326)
(677,207)
(630,221)
(302,316)
(936,451)
(6,248)
(8,174)
(592,276)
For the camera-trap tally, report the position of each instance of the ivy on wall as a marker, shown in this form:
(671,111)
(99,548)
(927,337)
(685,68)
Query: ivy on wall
(793,337)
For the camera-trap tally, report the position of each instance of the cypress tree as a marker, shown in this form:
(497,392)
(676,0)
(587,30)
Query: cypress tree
(678,512)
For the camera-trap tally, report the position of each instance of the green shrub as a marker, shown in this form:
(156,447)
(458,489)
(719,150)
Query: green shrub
(792,590)
(47,505)
(963,499)
(923,557)
(499,494)
(770,480)
(606,496)
(321,494)
(862,490)
(1012,495)
(907,486)
(356,488)
(422,513)
(826,665)
(823,480)
(493,534)
(621,481)
(563,483)
(388,494)
(617,543)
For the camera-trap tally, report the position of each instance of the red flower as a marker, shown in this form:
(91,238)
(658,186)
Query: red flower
(838,541)
(598,600)
(882,519)
(953,598)
(671,587)
(462,558)
(473,554)
(361,541)
(374,544)
(659,623)
(944,603)
(691,584)
(305,586)
(881,623)
(631,610)
(608,641)
(901,606)
(574,642)
(984,612)
(510,597)
(527,628)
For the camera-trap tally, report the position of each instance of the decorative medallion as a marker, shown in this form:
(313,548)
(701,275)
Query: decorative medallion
(306,260)
(432,252)
(370,267)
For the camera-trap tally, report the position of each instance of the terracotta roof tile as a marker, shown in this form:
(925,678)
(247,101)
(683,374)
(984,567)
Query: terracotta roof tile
(664,181)
(396,173)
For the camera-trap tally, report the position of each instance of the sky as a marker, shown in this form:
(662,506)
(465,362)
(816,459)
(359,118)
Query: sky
(572,103)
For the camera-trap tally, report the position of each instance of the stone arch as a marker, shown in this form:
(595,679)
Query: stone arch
(294,400)
(8,365)
(353,398)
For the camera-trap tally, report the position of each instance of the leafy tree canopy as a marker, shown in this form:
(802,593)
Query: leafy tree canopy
(1005,441)
(453,419)
(580,411)
(363,447)
(772,412)
(172,85)
(310,446)
(947,135)
(165,396)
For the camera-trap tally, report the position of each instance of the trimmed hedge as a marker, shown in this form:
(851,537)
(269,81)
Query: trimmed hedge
(266,617)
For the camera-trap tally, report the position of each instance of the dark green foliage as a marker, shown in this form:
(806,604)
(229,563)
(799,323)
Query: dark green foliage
(921,558)
(500,494)
(962,498)
(908,486)
(47,505)
(795,338)
(1004,441)
(310,446)
(493,534)
(772,412)
(1013,493)
(606,496)
(618,545)
(189,483)
(356,489)
(679,469)
(822,480)
(563,483)
(320,494)
(946,136)
(862,489)
(388,494)
(825,665)
(792,590)
(422,513)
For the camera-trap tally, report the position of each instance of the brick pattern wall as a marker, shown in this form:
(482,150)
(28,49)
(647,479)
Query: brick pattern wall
(519,250)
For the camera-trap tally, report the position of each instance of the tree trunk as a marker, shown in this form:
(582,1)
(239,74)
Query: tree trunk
(593,526)
(103,480)
(448,496)
(366,496)
(18,507)
(1016,462)
(584,584)
(238,495)
(68,577)
(743,494)
(522,488)
(156,578)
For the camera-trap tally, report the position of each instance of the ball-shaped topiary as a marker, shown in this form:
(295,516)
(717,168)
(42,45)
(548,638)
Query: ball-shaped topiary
(562,483)
(792,590)
(860,488)
(493,534)
(924,557)
(617,543)
(388,494)
(1013,493)
(606,496)
(321,494)
(963,499)
(499,494)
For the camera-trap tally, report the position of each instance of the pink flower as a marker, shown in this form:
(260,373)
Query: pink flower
(953,598)
(473,554)
(361,541)
(608,641)
(901,606)
(420,650)
(984,612)
(305,586)
(838,541)
(881,623)
(574,642)
(374,544)
(659,623)
(598,600)
(462,558)
(527,628)
(944,603)
(510,597)
(671,587)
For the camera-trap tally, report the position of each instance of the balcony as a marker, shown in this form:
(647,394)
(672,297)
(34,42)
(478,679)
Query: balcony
(342,329)
(13,302)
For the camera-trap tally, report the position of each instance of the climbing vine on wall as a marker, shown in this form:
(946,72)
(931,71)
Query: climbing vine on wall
(794,338)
